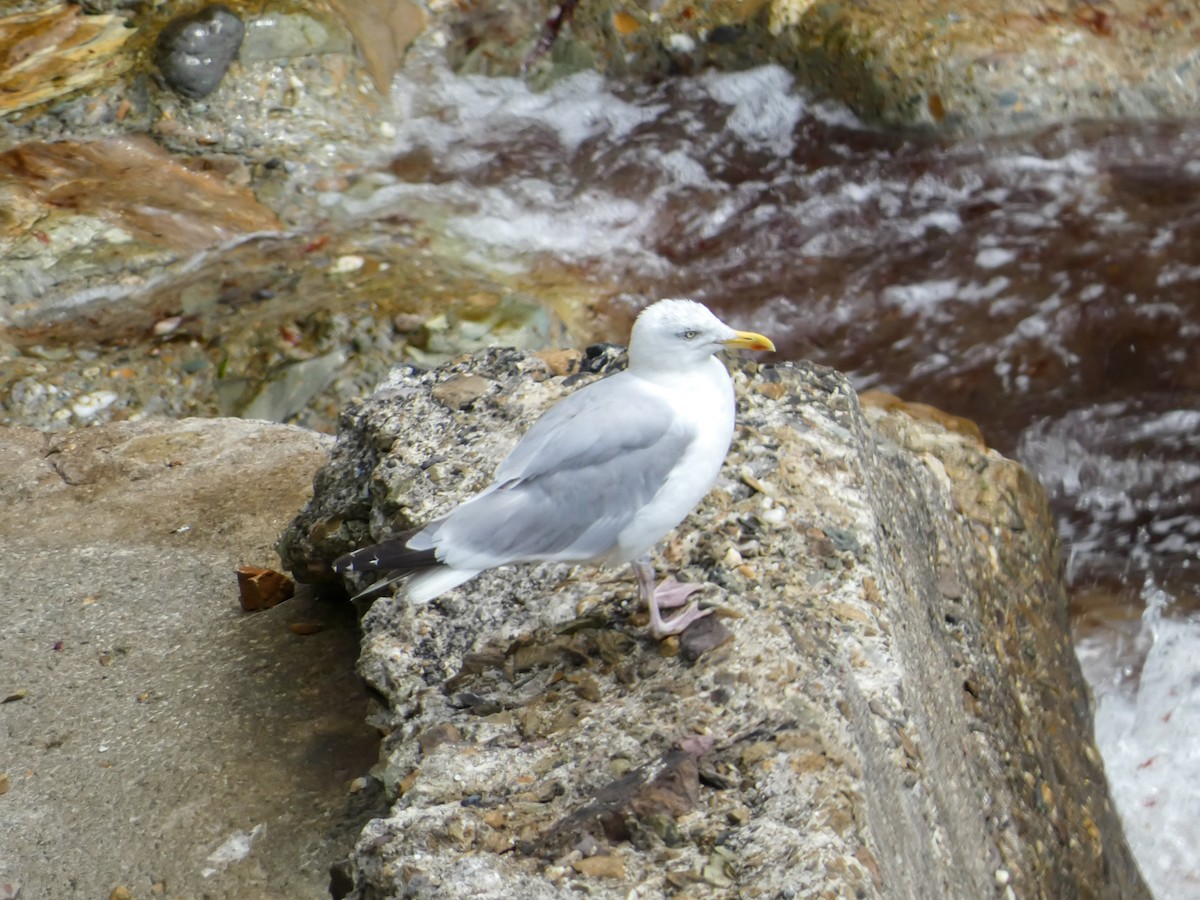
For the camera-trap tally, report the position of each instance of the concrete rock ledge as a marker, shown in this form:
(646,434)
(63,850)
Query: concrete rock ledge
(886,703)
(157,740)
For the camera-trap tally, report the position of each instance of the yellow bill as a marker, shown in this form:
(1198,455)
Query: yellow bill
(748,340)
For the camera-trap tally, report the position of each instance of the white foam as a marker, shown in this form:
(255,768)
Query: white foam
(994,257)
(575,109)
(1169,424)
(994,287)
(856,192)
(515,223)
(765,108)
(922,297)
(1077,162)
(1149,736)
(947,220)
(534,204)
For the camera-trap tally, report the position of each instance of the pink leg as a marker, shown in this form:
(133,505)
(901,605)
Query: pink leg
(669,595)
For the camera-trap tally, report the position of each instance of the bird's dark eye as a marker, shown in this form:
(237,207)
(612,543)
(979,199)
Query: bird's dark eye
(690,335)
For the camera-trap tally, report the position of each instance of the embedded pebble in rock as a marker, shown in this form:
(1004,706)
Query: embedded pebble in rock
(701,636)
(194,51)
(279,35)
(88,405)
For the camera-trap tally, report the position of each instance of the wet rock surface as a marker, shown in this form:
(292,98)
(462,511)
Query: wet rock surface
(278,328)
(257,288)
(896,709)
(157,740)
(939,65)
(169,257)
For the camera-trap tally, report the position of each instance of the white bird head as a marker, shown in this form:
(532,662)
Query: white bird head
(679,334)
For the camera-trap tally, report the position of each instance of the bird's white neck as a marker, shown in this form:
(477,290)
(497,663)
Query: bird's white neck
(708,371)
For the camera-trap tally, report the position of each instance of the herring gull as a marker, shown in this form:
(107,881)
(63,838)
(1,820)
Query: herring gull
(601,477)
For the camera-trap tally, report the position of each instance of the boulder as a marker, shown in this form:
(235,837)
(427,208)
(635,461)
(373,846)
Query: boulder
(886,701)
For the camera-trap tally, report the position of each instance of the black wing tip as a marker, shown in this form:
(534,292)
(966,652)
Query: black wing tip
(387,556)
(345,563)
(363,559)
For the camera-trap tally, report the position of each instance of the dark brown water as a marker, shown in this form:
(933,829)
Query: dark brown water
(1045,286)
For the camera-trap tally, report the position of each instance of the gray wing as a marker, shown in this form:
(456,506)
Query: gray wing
(577,478)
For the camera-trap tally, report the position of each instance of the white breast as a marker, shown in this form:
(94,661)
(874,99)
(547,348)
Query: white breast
(704,400)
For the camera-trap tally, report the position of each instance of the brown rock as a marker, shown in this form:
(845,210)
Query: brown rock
(561,362)
(262,588)
(432,738)
(925,412)
(461,392)
(54,51)
(168,203)
(600,866)
(383,30)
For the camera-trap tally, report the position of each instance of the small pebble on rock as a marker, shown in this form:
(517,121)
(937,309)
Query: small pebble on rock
(194,51)
(344,265)
(600,867)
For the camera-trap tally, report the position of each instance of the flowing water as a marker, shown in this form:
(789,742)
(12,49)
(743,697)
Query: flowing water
(1045,286)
